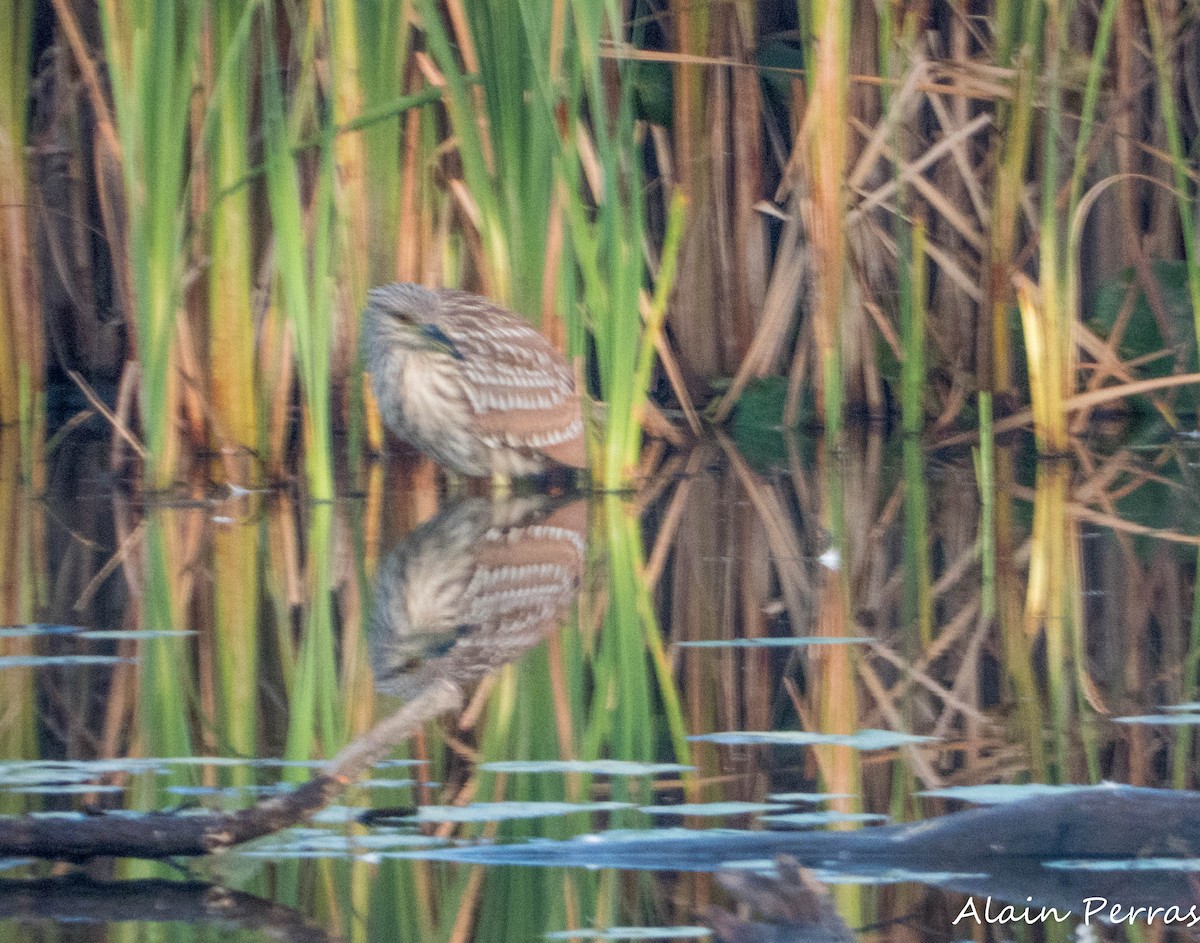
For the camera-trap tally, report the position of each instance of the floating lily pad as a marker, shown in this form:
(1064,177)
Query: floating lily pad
(70,661)
(505,811)
(631,933)
(230,792)
(862,740)
(337,815)
(39,772)
(996,793)
(320,843)
(1127,864)
(893,876)
(669,849)
(65,789)
(586,767)
(828,817)
(713,808)
(774,642)
(35,629)
(386,784)
(1178,720)
(131,635)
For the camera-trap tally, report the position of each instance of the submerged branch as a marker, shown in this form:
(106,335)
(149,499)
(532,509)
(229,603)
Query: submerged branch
(160,835)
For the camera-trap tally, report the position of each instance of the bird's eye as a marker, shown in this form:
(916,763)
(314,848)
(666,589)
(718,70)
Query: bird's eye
(401,668)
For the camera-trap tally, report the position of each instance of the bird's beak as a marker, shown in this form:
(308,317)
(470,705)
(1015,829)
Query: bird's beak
(436,340)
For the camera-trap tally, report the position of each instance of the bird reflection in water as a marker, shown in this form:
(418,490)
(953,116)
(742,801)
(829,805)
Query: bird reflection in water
(788,906)
(473,589)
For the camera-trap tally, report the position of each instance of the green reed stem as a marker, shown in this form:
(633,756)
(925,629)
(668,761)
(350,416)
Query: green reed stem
(1091,97)
(918,581)
(151,47)
(985,475)
(165,686)
(303,257)
(607,242)
(654,320)
(912,337)
(473,148)
(380,114)
(1181,161)
(313,713)
(1016,123)
(383,39)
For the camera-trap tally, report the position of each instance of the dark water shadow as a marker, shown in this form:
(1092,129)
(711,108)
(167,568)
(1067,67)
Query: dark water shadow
(1132,845)
(80,900)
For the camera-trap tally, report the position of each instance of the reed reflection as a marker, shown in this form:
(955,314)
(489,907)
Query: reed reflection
(474,589)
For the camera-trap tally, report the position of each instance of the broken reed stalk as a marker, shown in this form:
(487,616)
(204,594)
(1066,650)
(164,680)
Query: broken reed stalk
(1047,376)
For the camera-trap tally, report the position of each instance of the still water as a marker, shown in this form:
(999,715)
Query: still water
(890,665)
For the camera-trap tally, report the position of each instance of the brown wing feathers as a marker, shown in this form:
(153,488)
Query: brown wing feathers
(520,390)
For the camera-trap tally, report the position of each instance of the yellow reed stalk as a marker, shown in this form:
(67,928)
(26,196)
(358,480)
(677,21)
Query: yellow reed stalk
(836,711)
(1052,599)
(22,355)
(1017,647)
(698,336)
(349,161)
(369,48)
(231,373)
(994,355)
(827,148)
(22,568)
(278,371)
(356,681)
(1050,363)
(235,588)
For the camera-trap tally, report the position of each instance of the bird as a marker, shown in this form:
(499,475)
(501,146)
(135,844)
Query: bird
(469,383)
(473,589)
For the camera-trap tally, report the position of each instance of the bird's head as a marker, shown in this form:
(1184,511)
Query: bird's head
(404,314)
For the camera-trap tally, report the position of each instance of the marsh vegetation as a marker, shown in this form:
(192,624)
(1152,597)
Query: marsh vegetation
(953,243)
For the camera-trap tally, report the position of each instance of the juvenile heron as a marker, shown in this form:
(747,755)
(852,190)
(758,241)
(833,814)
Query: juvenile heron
(469,383)
(473,589)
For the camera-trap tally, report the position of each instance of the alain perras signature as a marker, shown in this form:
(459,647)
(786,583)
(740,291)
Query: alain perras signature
(1097,908)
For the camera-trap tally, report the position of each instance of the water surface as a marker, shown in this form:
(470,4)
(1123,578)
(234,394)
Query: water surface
(799,642)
